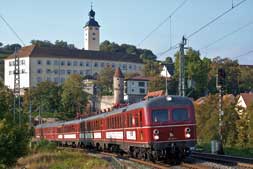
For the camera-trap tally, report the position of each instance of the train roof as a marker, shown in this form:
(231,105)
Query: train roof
(152,102)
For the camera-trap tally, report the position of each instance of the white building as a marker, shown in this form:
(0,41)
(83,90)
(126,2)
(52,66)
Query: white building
(39,64)
(136,88)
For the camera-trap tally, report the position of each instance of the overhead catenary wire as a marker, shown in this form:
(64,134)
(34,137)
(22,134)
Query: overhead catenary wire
(13,31)
(206,25)
(227,35)
(163,22)
(216,18)
(244,54)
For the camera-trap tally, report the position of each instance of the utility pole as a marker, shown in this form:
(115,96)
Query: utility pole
(16,88)
(220,82)
(181,81)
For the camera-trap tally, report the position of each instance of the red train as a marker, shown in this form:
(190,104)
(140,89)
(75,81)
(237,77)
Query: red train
(160,127)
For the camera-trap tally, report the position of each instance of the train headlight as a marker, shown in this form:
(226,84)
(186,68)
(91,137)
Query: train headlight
(187,135)
(168,98)
(187,132)
(155,132)
(156,137)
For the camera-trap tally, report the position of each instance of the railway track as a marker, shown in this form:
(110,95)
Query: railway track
(225,159)
(208,161)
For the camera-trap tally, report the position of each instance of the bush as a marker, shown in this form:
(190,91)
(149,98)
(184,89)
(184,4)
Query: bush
(14,142)
(45,145)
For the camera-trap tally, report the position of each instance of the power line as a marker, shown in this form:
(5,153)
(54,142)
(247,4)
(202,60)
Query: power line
(163,22)
(227,35)
(215,19)
(209,23)
(13,31)
(244,54)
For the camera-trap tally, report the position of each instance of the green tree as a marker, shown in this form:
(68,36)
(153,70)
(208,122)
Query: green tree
(157,83)
(104,81)
(14,141)
(73,97)
(245,79)
(196,71)
(250,112)
(42,43)
(6,100)
(46,96)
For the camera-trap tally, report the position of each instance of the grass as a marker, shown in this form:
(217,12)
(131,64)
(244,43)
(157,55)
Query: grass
(233,151)
(45,155)
(61,160)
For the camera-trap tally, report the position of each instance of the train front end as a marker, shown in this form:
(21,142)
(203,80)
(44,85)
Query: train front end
(172,127)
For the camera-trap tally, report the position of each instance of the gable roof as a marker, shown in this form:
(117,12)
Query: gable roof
(36,51)
(118,73)
(248,98)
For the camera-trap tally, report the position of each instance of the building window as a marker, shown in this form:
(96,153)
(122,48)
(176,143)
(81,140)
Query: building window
(94,33)
(142,91)
(62,72)
(90,28)
(75,63)
(113,65)
(48,62)
(141,84)
(22,62)
(74,71)
(62,63)
(134,67)
(23,71)
(124,66)
(62,79)
(39,71)
(56,80)
(132,90)
(55,62)
(68,72)
(10,63)
(130,66)
(56,71)
(48,71)
(49,79)
(87,64)
(39,79)
(39,62)
(96,28)
(81,63)
(10,72)
(69,63)
(94,38)
(102,64)
(81,72)
(95,64)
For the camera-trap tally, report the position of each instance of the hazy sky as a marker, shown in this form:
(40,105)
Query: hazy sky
(130,21)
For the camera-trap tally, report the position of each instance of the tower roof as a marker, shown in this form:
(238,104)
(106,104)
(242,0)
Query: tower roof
(92,21)
(118,73)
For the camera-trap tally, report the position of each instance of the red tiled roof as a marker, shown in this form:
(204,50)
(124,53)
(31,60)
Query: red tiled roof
(248,98)
(155,94)
(118,73)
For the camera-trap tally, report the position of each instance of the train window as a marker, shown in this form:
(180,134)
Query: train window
(160,116)
(140,118)
(136,119)
(180,115)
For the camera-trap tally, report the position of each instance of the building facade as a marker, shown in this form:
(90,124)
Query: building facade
(136,88)
(39,64)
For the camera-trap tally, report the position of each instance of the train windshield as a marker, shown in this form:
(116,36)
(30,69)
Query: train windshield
(160,116)
(180,115)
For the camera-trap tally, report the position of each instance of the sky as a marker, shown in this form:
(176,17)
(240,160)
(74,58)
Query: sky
(129,21)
